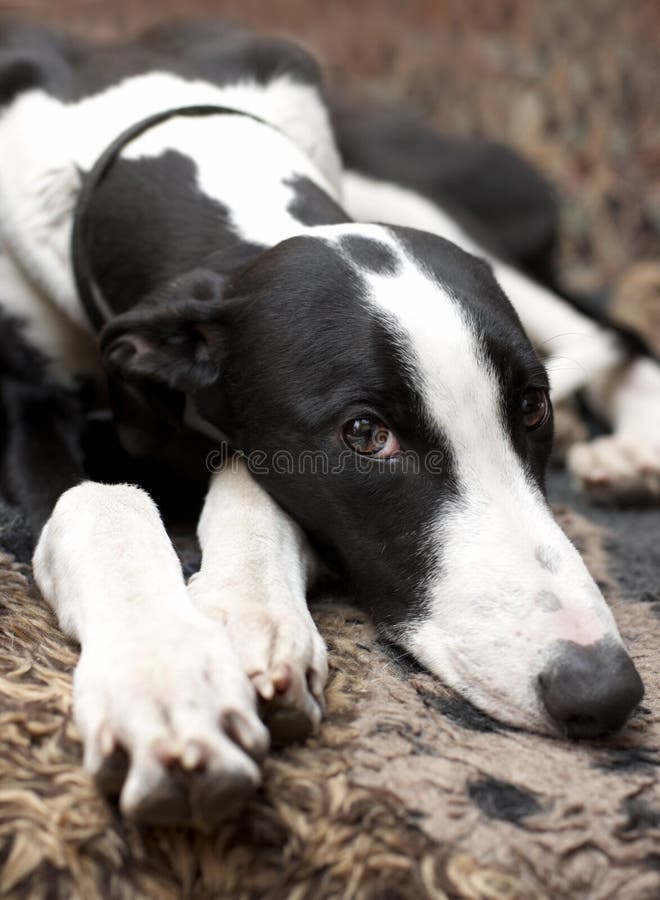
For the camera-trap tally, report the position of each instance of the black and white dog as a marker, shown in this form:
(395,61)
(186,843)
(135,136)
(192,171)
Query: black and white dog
(209,274)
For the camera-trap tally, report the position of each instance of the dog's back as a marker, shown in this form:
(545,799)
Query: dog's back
(65,101)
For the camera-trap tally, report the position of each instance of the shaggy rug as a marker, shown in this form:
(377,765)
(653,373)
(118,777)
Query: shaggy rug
(406,791)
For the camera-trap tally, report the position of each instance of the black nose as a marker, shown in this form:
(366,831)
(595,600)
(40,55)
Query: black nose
(590,690)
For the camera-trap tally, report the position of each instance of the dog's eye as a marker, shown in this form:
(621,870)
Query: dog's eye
(370,437)
(535,408)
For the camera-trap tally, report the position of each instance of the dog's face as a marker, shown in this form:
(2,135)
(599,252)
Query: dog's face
(385,394)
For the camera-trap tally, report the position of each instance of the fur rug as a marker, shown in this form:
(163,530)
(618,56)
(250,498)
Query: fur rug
(406,791)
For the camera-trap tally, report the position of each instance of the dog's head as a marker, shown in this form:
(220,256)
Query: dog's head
(385,394)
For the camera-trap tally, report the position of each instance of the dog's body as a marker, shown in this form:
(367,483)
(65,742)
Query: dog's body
(235,298)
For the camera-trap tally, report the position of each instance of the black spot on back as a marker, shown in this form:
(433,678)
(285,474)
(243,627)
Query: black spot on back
(174,227)
(370,255)
(503,800)
(311,205)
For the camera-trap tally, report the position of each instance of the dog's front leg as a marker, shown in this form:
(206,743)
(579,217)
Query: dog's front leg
(158,691)
(253,578)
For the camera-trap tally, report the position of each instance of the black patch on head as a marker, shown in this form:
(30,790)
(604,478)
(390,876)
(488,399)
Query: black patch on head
(627,759)
(370,255)
(640,815)
(306,354)
(463,713)
(503,800)
(174,228)
(311,205)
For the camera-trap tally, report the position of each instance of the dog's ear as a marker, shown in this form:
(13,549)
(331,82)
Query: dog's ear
(174,338)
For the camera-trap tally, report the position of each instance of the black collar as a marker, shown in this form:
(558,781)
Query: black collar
(91,297)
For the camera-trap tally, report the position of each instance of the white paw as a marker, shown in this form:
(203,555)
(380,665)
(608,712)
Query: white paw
(619,468)
(169,719)
(280,650)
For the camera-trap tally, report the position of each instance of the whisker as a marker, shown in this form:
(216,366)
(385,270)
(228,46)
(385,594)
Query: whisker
(561,334)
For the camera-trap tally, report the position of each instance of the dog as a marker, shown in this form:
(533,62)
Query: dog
(180,231)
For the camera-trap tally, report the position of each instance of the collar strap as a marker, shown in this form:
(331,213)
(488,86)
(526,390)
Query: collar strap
(91,296)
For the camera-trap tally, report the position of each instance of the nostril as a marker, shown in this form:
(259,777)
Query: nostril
(588,691)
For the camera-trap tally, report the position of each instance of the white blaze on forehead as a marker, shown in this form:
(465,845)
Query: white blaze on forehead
(450,371)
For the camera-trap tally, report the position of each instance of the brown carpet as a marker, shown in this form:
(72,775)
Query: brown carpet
(407,791)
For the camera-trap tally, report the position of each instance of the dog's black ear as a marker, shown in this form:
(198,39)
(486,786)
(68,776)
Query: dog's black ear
(174,338)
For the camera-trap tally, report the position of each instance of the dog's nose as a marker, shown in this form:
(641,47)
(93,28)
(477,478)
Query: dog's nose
(590,690)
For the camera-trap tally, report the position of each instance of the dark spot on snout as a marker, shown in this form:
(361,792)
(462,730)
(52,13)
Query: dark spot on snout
(369,255)
(548,558)
(548,601)
(503,800)
(590,691)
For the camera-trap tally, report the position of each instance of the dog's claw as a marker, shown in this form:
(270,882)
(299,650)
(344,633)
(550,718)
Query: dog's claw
(280,650)
(281,678)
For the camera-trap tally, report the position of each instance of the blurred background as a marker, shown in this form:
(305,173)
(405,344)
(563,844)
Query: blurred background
(573,86)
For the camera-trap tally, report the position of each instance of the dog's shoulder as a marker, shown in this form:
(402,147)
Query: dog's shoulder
(66,100)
